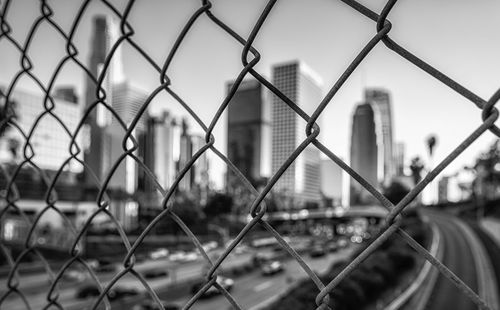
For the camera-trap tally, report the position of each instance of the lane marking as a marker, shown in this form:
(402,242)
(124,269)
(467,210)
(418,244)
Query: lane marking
(262,286)
(487,282)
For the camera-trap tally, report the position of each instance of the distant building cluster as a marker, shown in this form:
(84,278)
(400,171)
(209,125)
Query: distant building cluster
(261,126)
(263,131)
(164,144)
(374,154)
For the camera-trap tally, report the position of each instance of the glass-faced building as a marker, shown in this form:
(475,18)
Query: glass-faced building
(302,180)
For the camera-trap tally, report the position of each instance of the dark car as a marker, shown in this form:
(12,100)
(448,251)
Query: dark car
(87,291)
(120,292)
(226,283)
(91,290)
(152,305)
(317,251)
(271,268)
(105,265)
(332,246)
(106,268)
(155,273)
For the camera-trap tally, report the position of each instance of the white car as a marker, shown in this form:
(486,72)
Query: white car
(158,253)
(226,283)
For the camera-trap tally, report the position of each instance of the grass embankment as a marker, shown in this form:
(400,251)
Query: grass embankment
(383,272)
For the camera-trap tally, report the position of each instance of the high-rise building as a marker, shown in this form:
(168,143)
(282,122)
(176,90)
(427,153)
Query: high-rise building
(157,151)
(97,155)
(399,158)
(49,143)
(248,133)
(185,155)
(331,181)
(146,154)
(364,153)
(199,172)
(302,178)
(381,105)
(126,102)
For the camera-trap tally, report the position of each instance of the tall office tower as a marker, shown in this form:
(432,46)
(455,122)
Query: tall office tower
(364,153)
(302,179)
(399,158)
(50,143)
(127,102)
(199,174)
(248,134)
(157,151)
(185,155)
(97,155)
(146,153)
(381,104)
(164,149)
(331,181)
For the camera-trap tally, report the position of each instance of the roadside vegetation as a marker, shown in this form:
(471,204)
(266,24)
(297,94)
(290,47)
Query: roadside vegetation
(382,272)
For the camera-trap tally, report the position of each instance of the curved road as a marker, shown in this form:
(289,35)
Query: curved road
(459,258)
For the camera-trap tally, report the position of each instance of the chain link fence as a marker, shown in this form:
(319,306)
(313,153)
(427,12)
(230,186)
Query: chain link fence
(250,57)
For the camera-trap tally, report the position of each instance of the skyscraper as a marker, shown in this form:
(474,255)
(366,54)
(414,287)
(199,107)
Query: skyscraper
(399,158)
(302,178)
(364,153)
(381,105)
(331,181)
(185,155)
(156,150)
(164,149)
(126,101)
(248,133)
(199,172)
(97,155)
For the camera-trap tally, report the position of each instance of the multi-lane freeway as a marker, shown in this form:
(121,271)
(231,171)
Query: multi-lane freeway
(464,253)
(465,249)
(249,289)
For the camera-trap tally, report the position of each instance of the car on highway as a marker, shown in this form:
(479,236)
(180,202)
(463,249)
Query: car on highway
(120,292)
(74,275)
(106,268)
(150,304)
(88,290)
(103,265)
(272,267)
(155,273)
(226,283)
(159,253)
(317,250)
(209,246)
(91,290)
(182,256)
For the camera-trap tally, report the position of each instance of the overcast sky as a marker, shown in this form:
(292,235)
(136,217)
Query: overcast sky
(458,37)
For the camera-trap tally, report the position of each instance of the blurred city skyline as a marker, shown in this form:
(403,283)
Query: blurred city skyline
(208,59)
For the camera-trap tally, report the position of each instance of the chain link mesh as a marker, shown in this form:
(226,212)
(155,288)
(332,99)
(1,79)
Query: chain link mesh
(250,57)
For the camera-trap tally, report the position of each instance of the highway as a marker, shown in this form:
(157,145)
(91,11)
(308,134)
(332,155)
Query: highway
(254,288)
(463,253)
(35,286)
(461,257)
